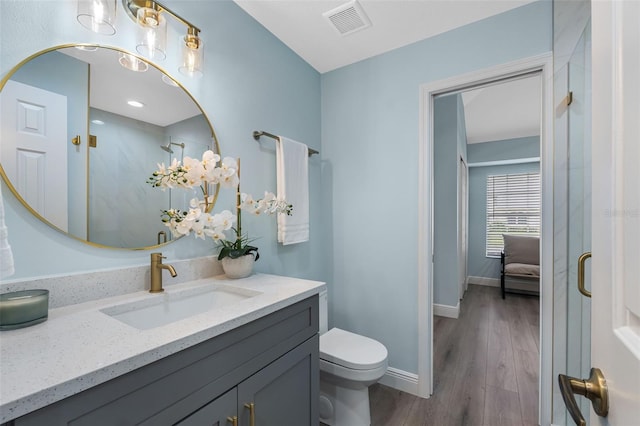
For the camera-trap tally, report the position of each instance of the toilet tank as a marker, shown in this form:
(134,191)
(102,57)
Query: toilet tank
(323,305)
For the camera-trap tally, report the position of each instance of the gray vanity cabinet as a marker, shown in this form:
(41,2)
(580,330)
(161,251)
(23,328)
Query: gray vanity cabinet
(218,412)
(279,394)
(271,362)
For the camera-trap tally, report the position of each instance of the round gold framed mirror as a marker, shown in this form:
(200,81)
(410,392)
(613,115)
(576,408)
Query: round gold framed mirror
(82,128)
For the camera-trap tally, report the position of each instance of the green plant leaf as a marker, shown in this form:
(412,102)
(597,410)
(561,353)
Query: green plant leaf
(229,250)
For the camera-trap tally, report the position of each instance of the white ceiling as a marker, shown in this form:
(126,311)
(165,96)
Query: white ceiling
(394,23)
(507,110)
(113,85)
(494,113)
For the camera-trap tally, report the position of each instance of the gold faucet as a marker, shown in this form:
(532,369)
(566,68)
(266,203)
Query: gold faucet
(156,272)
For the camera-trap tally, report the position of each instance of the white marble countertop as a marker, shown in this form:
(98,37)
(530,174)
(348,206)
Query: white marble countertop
(79,346)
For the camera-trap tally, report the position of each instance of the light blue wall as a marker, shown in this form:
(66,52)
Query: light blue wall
(478,264)
(370,122)
(449,139)
(509,149)
(252,82)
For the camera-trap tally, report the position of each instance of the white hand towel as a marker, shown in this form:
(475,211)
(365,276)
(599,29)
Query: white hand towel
(6,255)
(293,186)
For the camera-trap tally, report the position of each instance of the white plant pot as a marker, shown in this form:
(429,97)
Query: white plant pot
(239,267)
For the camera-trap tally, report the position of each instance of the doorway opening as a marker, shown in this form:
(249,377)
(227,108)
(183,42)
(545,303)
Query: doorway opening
(428,249)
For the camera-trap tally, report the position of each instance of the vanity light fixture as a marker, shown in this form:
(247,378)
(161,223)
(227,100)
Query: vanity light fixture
(97,15)
(192,54)
(152,33)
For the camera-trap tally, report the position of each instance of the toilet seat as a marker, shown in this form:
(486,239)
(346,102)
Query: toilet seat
(352,351)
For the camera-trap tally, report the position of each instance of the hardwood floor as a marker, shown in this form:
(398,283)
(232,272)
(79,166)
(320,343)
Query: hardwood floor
(485,367)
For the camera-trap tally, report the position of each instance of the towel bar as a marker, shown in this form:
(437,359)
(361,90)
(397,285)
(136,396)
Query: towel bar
(257,134)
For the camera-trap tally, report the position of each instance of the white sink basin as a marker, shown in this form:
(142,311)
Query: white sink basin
(165,308)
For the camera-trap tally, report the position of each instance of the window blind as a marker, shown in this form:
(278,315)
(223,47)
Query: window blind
(513,207)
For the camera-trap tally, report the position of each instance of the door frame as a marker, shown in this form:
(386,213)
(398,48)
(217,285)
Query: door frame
(541,63)
(463,226)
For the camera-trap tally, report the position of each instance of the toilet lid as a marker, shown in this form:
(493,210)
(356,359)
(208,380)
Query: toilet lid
(352,350)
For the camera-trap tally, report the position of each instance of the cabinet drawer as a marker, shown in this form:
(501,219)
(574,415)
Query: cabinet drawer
(170,384)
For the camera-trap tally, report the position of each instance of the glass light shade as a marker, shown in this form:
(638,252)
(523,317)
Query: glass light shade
(168,80)
(192,56)
(152,34)
(98,16)
(87,48)
(132,63)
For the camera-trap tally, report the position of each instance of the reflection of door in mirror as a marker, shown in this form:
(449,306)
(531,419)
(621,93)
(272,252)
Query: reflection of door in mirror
(55,73)
(108,201)
(34,127)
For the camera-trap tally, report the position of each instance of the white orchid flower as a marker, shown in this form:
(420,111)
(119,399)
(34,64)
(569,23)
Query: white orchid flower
(210,159)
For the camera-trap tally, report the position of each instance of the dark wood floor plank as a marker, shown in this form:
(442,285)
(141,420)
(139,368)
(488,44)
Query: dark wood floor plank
(527,367)
(520,326)
(485,368)
(389,406)
(471,365)
(502,407)
(501,371)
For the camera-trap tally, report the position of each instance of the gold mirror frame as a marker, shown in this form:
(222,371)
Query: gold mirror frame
(85,139)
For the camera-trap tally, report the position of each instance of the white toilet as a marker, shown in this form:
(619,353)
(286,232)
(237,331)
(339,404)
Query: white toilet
(349,364)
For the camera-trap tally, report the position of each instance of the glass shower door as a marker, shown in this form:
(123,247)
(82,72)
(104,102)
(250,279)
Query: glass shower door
(579,211)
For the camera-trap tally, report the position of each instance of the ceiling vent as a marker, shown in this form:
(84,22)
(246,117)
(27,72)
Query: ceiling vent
(348,18)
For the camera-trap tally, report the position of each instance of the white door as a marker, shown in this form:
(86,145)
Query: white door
(615,279)
(33,148)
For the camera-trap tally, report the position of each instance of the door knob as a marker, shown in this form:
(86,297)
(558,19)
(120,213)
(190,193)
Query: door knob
(594,388)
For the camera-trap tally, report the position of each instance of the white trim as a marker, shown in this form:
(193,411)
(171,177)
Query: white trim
(489,282)
(400,380)
(544,64)
(447,311)
(513,284)
(504,162)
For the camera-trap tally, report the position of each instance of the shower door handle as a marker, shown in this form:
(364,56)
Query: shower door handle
(581,261)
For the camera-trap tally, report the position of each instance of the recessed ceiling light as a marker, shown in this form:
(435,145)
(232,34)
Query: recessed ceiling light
(136,104)
(98,122)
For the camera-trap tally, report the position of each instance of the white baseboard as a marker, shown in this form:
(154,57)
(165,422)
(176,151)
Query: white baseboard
(511,284)
(447,310)
(489,282)
(400,380)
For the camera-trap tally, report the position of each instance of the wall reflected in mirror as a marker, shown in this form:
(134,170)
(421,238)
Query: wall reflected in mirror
(96,190)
